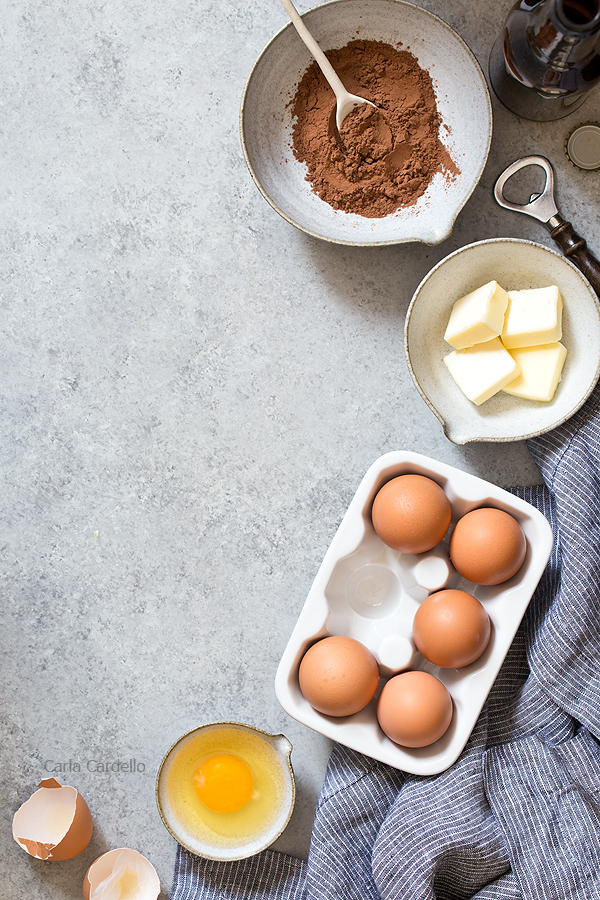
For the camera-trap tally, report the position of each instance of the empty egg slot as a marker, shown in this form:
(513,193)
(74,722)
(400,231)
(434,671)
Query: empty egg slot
(364,583)
(373,591)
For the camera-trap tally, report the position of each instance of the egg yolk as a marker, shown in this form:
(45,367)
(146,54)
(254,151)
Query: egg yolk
(224,783)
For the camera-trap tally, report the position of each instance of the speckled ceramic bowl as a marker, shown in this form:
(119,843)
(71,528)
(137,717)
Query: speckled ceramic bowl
(463,102)
(214,839)
(516,265)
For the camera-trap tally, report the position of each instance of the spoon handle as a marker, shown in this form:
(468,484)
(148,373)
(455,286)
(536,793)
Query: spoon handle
(575,248)
(326,68)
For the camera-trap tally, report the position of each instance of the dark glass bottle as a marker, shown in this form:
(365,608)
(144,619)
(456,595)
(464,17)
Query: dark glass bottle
(548,57)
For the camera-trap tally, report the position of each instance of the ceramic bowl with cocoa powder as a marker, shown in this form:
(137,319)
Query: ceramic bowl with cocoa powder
(408,185)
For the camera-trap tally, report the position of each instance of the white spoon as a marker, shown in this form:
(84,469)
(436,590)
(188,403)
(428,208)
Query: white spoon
(346,102)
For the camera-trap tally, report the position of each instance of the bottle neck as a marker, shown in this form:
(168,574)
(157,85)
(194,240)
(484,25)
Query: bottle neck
(576,18)
(565,31)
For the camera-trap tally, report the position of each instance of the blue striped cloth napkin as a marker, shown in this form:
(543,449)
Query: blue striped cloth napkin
(518,815)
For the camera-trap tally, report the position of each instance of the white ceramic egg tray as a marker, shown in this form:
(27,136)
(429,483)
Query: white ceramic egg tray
(367,591)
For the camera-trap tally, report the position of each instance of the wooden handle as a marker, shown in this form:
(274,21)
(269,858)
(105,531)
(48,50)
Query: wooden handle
(575,248)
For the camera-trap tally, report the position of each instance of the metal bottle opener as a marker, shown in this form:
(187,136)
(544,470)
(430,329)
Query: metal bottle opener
(543,208)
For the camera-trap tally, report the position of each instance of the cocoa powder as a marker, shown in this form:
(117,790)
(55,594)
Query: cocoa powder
(383,158)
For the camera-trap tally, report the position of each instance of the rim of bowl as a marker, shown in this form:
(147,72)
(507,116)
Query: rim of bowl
(445,424)
(285,757)
(387,243)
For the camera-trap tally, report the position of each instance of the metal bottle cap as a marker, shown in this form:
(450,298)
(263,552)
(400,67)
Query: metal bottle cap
(583,146)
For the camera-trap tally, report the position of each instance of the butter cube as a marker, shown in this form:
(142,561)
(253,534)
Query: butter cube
(483,370)
(533,317)
(477,317)
(541,368)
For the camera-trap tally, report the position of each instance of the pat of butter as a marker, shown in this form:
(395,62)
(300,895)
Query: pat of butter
(477,317)
(483,370)
(533,317)
(541,368)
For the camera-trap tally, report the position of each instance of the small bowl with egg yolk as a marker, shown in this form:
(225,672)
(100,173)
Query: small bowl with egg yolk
(225,790)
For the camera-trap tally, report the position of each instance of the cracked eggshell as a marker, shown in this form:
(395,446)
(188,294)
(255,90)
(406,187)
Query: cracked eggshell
(54,824)
(121,874)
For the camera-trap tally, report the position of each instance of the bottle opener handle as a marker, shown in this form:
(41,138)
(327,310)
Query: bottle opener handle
(543,208)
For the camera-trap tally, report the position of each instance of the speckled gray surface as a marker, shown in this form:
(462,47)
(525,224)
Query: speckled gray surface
(191,392)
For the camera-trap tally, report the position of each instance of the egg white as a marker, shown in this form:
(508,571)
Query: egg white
(232,828)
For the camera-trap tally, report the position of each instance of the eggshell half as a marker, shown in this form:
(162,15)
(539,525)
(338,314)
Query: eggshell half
(121,874)
(54,824)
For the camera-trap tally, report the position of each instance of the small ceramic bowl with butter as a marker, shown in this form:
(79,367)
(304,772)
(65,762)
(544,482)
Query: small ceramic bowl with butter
(462,100)
(226,790)
(473,390)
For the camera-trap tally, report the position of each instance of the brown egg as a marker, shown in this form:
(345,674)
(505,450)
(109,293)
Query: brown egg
(451,629)
(338,676)
(487,546)
(414,709)
(411,513)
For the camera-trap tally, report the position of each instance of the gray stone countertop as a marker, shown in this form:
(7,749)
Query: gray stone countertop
(192,390)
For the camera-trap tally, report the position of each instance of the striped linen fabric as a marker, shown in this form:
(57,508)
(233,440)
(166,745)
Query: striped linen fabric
(518,814)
